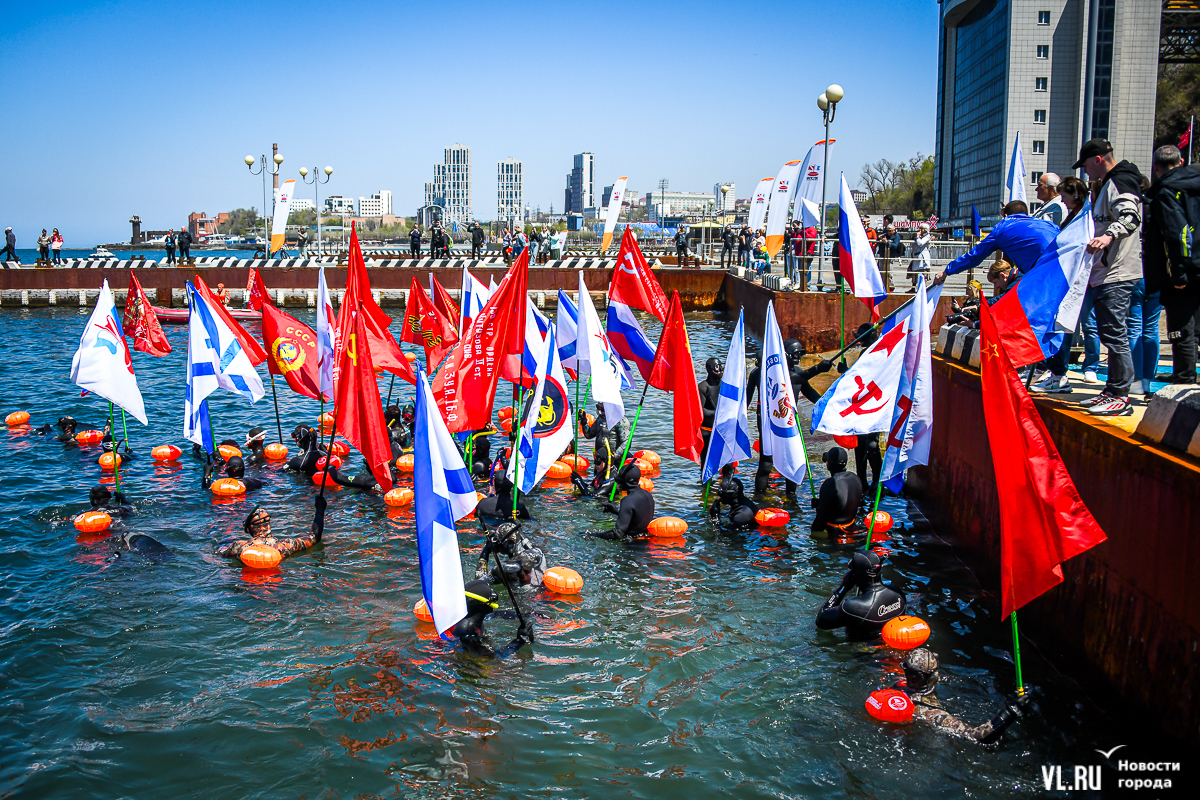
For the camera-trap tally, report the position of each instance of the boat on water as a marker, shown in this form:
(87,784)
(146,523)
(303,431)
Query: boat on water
(179,316)
(102,252)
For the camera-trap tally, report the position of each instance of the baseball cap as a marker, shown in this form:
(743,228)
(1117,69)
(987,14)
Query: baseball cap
(1092,147)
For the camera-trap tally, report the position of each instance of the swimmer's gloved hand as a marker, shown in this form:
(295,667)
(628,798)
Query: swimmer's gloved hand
(45,430)
(842,366)
(611,507)
(1013,710)
(825,366)
(319,523)
(525,634)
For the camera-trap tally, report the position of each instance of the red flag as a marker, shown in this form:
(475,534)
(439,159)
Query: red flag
(633,283)
(1186,138)
(256,291)
(466,387)
(140,321)
(1042,520)
(291,351)
(425,325)
(672,371)
(359,409)
(385,353)
(253,349)
(444,302)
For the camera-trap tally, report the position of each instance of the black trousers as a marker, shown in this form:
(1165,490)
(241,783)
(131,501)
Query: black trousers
(726,250)
(415,249)
(475,250)
(1183,319)
(681,255)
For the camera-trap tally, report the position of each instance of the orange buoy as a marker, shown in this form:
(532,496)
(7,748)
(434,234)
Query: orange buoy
(558,470)
(562,580)
(340,449)
(890,705)
(667,527)
(109,461)
(649,456)
(319,479)
(166,452)
(276,451)
(506,425)
(228,451)
(89,437)
(905,632)
(334,462)
(505,413)
(260,556)
(756,446)
(644,466)
(399,497)
(405,463)
(410,357)
(591,420)
(579,463)
(17,418)
(422,611)
(646,484)
(772,517)
(883,522)
(93,521)
(848,442)
(325,420)
(228,487)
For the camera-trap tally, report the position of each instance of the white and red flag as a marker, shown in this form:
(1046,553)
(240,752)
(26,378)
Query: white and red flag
(863,399)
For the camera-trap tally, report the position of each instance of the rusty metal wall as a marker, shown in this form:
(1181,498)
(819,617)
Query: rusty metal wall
(1129,607)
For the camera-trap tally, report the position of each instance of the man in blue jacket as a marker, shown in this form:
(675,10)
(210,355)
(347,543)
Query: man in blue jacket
(1019,236)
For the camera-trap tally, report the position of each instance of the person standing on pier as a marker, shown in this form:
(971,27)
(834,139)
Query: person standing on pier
(477,238)
(1171,265)
(10,246)
(185,244)
(681,246)
(44,246)
(727,239)
(169,246)
(56,243)
(745,237)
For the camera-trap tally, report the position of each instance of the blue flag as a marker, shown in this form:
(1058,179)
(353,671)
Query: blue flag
(975,219)
(730,437)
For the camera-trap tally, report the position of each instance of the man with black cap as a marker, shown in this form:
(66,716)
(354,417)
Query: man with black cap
(414,241)
(1172,261)
(840,494)
(710,393)
(1117,211)
(864,613)
(681,245)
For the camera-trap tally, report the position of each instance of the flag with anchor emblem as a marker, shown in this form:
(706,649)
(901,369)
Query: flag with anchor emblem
(780,432)
(102,363)
(862,400)
(547,428)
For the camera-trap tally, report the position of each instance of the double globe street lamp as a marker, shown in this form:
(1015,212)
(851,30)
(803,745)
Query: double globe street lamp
(316,182)
(827,101)
(264,169)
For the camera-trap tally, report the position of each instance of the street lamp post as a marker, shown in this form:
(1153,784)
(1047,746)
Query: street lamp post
(662,202)
(707,223)
(827,102)
(264,169)
(316,182)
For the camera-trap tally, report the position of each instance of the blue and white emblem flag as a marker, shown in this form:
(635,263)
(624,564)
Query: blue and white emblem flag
(912,419)
(215,361)
(780,434)
(444,495)
(730,437)
(598,359)
(547,429)
(102,364)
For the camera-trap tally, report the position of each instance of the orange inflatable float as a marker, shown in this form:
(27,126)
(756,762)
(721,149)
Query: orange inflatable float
(228,451)
(334,461)
(276,451)
(883,522)
(646,484)
(260,556)
(579,463)
(340,449)
(405,463)
(667,527)
(890,705)
(93,521)
(319,479)
(109,461)
(325,420)
(506,424)
(410,357)
(558,471)
(562,580)
(17,418)
(89,437)
(505,413)
(772,517)
(649,456)
(849,442)
(228,487)
(166,452)
(905,632)
(399,497)
(422,611)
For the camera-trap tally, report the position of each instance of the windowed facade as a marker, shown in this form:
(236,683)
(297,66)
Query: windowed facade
(1043,51)
(1039,147)
(1039,116)
(1043,18)
(1106,14)
(1034,177)
(1041,84)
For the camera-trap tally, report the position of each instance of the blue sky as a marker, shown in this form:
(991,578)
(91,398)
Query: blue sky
(127,108)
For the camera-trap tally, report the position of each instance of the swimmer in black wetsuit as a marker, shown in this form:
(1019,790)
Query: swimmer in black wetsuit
(310,451)
(609,443)
(145,545)
(600,486)
(115,505)
(66,427)
(234,468)
(521,560)
(364,480)
(481,454)
(840,494)
(634,512)
(710,393)
(257,528)
(499,506)
(864,613)
(481,601)
(400,425)
(920,683)
(801,387)
(255,443)
(731,492)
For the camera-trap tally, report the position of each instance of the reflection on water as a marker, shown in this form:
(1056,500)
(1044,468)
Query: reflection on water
(693,659)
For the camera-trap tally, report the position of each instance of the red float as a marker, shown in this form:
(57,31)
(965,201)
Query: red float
(890,705)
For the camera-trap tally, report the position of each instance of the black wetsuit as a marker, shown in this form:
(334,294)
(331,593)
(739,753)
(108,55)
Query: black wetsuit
(800,387)
(634,512)
(610,444)
(237,473)
(481,455)
(731,493)
(523,563)
(310,452)
(866,453)
(837,501)
(873,603)
(469,630)
(363,480)
(710,393)
(499,506)
(145,545)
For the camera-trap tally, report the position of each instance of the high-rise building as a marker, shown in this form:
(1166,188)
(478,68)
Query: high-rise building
(338,205)
(581,184)
(1059,72)
(630,198)
(725,200)
(377,205)
(510,201)
(451,185)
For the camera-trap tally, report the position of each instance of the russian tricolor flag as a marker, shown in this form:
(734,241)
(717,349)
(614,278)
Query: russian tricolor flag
(856,262)
(1032,318)
(628,338)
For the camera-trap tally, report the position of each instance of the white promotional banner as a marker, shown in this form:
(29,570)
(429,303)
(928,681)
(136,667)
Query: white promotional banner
(613,211)
(808,185)
(283,207)
(758,203)
(102,364)
(777,206)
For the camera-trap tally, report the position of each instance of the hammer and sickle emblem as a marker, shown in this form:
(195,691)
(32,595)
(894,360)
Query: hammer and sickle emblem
(351,350)
(862,396)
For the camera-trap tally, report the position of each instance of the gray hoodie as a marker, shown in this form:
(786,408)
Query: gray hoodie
(1117,211)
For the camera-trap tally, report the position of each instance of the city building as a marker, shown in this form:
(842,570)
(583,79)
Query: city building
(859,196)
(510,201)
(676,204)
(377,205)
(451,185)
(725,202)
(339,206)
(1059,72)
(298,204)
(581,184)
(200,225)
(630,200)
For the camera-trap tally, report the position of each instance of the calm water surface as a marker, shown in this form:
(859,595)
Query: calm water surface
(687,669)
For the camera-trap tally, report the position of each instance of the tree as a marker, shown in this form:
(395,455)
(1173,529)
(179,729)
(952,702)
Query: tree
(1178,99)
(305,216)
(240,222)
(901,187)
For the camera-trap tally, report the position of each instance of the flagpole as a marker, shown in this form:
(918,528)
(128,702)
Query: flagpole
(628,442)
(125,425)
(392,385)
(275,400)
(328,458)
(575,466)
(212,437)
(1017,655)
(843,327)
(517,453)
(875,507)
(867,332)
(504,577)
(116,458)
(807,464)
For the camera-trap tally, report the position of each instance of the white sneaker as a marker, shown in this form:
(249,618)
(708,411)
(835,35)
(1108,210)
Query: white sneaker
(1053,384)
(1090,377)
